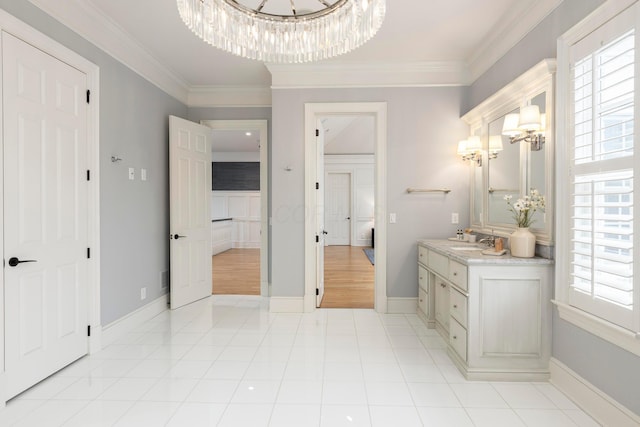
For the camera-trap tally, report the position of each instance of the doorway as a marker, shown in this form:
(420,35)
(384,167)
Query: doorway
(239,206)
(315,225)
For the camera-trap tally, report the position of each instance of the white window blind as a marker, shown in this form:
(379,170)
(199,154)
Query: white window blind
(603,78)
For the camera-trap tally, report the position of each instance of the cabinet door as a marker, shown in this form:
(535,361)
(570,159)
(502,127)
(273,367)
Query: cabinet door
(442,303)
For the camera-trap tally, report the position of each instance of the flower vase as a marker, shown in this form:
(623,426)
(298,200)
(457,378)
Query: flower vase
(522,243)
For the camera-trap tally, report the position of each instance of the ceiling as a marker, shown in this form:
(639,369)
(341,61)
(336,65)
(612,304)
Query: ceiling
(149,36)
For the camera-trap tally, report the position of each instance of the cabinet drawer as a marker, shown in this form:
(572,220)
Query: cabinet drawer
(458,306)
(423,254)
(423,302)
(458,339)
(458,274)
(439,263)
(423,278)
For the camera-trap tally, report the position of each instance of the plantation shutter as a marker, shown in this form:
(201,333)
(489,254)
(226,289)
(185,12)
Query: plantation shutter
(603,77)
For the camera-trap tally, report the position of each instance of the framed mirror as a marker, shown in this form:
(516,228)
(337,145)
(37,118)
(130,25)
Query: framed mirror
(513,168)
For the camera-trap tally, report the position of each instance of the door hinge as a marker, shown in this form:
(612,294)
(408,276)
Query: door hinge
(317,291)
(317,239)
(317,132)
(88,175)
(88,330)
(88,96)
(88,253)
(317,185)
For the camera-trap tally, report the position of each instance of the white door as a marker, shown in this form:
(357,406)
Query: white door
(338,208)
(320,228)
(45,214)
(189,211)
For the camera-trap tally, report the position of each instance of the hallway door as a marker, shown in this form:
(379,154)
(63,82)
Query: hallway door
(338,208)
(45,214)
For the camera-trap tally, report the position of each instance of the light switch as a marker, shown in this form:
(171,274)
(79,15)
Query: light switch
(132,174)
(143,174)
(454,218)
(392,218)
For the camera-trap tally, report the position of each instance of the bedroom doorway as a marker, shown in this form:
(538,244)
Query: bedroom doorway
(239,249)
(315,226)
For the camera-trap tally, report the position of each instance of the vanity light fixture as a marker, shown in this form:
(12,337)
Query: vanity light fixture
(495,146)
(528,126)
(471,149)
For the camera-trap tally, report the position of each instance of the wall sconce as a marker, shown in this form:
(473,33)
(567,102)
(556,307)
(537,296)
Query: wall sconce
(495,146)
(528,126)
(471,149)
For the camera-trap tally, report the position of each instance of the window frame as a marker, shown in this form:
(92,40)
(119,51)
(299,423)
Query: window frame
(628,339)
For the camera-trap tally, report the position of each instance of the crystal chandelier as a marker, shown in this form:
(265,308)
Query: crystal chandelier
(276,31)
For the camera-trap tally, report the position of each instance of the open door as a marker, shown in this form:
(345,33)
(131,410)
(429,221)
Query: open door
(189,210)
(320,230)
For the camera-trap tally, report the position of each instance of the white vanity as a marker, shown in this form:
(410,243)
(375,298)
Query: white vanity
(494,311)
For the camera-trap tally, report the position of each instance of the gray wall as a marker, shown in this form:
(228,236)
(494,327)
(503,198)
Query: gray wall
(610,368)
(423,130)
(134,216)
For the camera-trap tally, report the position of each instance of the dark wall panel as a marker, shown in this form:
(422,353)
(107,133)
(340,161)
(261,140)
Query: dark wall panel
(236,176)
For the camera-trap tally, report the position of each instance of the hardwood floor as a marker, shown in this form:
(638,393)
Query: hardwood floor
(236,272)
(348,278)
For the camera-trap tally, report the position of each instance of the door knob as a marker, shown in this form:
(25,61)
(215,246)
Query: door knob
(177,236)
(324,232)
(348,217)
(15,261)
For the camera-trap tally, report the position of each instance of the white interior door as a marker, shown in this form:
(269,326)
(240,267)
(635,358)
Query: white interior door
(320,227)
(45,214)
(189,210)
(338,208)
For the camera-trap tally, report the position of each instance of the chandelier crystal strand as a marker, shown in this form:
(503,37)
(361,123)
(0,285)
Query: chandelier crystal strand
(283,39)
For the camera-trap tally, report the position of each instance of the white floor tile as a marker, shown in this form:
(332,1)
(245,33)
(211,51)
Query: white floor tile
(171,352)
(413,356)
(344,393)
(87,388)
(300,392)
(114,368)
(556,396)
(17,409)
(227,370)
(388,394)
(444,417)
(580,418)
(422,373)
(385,416)
(491,417)
(213,391)
(194,369)
(524,395)
(256,391)
(545,418)
(382,372)
(170,390)
(265,371)
(304,371)
(151,368)
(345,415)
(246,415)
(433,395)
(147,414)
(295,416)
(52,413)
(48,388)
(478,396)
(128,389)
(197,415)
(346,371)
(100,413)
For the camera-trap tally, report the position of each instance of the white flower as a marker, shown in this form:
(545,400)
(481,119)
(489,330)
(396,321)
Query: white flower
(524,208)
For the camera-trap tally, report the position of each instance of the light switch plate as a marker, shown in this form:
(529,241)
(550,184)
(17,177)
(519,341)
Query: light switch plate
(392,218)
(455,218)
(132,174)
(143,174)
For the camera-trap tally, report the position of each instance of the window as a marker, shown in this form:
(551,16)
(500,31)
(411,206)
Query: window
(596,253)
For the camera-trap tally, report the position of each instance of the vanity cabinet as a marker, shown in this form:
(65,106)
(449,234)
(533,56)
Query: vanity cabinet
(495,312)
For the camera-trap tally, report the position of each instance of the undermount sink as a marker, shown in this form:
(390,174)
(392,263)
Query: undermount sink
(466,248)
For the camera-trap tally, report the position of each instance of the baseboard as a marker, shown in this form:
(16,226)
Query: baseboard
(402,305)
(286,305)
(115,330)
(600,406)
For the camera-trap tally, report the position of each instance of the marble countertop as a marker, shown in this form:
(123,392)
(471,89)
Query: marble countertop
(473,256)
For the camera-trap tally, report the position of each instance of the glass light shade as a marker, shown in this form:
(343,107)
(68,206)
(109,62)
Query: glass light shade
(495,143)
(462,148)
(474,144)
(530,117)
(343,25)
(510,125)
(543,124)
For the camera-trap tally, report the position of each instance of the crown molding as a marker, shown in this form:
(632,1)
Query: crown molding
(229,96)
(381,74)
(87,20)
(511,31)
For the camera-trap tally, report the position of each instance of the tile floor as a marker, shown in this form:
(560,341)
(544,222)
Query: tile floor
(227,361)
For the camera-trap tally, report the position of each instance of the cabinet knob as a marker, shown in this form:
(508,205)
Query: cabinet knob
(420,277)
(455,337)
(455,306)
(443,285)
(420,300)
(455,274)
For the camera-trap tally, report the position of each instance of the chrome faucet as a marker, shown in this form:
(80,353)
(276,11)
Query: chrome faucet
(490,241)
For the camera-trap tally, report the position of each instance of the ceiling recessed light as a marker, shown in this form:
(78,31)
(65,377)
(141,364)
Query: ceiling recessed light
(248,133)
